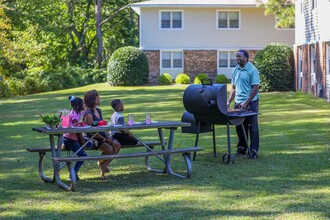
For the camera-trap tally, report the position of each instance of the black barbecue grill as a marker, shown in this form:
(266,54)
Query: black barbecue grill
(206,105)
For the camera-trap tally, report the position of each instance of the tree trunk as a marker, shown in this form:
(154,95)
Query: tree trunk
(98,34)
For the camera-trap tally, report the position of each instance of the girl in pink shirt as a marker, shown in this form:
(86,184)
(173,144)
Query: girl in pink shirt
(74,141)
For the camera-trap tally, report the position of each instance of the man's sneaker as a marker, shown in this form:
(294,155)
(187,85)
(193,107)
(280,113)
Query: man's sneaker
(252,154)
(241,150)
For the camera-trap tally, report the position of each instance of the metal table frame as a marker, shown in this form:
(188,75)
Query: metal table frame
(56,151)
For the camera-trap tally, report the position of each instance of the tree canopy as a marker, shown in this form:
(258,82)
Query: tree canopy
(284,10)
(40,39)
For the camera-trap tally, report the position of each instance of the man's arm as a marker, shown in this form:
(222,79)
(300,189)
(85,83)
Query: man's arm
(255,90)
(231,96)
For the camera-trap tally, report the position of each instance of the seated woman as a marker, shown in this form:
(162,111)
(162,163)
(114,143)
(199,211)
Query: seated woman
(102,141)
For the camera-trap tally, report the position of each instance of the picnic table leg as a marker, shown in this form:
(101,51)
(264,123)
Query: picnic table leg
(56,165)
(41,169)
(186,156)
(147,163)
(45,178)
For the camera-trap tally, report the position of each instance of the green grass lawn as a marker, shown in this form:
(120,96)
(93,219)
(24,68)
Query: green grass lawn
(290,180)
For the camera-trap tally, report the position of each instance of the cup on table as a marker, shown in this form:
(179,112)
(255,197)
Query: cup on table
(130,119)
(148,118)
(65,121)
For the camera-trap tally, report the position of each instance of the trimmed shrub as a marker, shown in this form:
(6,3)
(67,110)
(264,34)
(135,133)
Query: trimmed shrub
(221,79)
(276,64)
(264,84)
(128,66)
(199,77)
(182,79)
(165,79)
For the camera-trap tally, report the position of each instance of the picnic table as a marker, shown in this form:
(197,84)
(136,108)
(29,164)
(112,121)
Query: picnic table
(164,155)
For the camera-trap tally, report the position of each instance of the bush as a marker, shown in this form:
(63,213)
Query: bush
(37,80)
(199,77)
(275,63)
(264,84)
(221,79)
(165,79)
(182,79)
(128,66)
(4,90)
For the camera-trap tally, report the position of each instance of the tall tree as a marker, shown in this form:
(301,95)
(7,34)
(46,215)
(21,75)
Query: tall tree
(284,11)
(5,48)
(75,32)
(99,24)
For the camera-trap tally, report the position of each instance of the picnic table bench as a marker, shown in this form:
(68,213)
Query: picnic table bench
(43,150)
(164,155)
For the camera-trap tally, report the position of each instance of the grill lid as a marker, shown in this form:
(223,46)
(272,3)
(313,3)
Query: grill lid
(208,102)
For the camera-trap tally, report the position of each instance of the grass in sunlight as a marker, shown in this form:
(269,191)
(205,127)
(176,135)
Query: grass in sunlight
(290,180)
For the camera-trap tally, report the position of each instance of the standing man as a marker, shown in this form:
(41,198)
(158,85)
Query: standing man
(245,81)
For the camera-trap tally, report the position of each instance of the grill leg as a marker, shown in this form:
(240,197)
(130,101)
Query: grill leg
(214,144)
(196,140)
(245,139)
(228,159)
(228,139)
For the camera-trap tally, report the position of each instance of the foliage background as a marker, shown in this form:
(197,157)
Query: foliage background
(39,38)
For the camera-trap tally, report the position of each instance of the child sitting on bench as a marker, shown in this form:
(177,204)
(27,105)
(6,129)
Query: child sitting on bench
(74,141)
(118,119)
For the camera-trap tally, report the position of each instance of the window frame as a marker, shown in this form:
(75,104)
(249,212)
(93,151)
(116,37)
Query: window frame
(171,59)
(228,20)
(312,65)
(171,19)
(228,58)
(300,68)
(314,4)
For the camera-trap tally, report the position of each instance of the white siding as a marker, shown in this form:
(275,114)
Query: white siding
(324,18)
(299,23)
(312,24)
(200,32)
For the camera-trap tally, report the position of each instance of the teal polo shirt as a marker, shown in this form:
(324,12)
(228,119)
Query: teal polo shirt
(243,79)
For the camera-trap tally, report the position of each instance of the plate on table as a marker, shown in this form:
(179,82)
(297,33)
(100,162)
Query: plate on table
(88,126)
(117,125)
(102,126)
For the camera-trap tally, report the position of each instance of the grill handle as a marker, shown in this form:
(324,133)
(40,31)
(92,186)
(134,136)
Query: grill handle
(207,81)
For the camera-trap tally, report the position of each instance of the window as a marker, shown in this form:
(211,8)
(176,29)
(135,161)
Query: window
(313,79)
(300,63)
(171,59)
(228,19)
(328,59)
(171,20)
(227,59)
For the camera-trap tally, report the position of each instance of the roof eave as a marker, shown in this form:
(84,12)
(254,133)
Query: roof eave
(137,6)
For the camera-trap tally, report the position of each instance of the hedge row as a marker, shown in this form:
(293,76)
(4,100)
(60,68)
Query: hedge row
(182,78)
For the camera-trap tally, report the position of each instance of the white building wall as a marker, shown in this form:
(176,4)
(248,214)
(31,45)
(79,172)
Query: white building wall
(200,32)
(312,24)
(324,18)
(300,37)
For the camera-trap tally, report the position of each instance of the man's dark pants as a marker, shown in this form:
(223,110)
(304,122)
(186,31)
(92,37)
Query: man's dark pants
(250,126)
